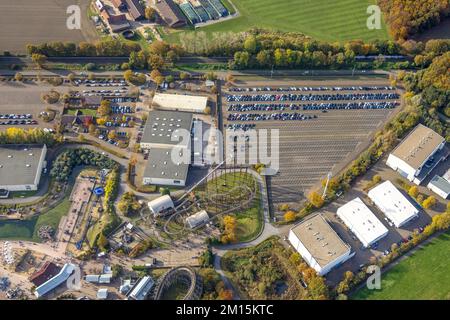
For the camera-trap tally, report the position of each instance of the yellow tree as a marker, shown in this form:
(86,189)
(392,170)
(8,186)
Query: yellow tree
(289,216)
(316,199)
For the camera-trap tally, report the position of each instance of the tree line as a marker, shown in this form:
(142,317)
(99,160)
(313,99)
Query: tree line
(406,18)
(15,135)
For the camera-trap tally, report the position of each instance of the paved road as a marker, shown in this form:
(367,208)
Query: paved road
(105,60)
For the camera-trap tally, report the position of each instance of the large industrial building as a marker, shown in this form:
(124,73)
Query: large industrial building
(319,245)
(141,289)
(416,156)
(161,126)
(362,222)
(180,102)
(395,206)
(162,170)
(163,132)
(51,284)
(21,166)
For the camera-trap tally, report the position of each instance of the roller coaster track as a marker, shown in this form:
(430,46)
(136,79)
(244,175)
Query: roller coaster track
(178,213)
(186,275)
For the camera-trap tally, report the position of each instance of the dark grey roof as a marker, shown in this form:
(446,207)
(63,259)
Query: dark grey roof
(161,166)
(161,124)
(441,184)
(92,100)
(19,163)
(135,8)
(171,13)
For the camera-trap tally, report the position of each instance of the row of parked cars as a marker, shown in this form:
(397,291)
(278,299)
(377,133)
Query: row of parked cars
(101,83)
(240,126)
(312,97)
(15,116)
(119,122)
(19,122)
(238,107)
(269,117)
(322,88)
(122,109)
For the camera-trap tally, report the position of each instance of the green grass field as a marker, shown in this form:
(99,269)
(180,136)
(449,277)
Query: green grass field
(27,229)
(423,276)
(325,20)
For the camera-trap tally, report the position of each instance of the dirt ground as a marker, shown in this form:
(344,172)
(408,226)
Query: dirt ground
(33,22)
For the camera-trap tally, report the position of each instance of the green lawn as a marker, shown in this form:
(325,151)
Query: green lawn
(425,275)
(325,20)
(27,229)
(249,222)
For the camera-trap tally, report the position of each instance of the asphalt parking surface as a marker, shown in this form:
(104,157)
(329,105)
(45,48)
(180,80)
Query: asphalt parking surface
(310,149)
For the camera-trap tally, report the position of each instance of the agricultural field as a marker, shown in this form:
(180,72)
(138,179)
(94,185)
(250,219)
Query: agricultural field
(424,275)
(32,22)
(320,19)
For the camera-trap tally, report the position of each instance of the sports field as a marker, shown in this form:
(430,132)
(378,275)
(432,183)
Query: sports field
(423,276)
(326,20)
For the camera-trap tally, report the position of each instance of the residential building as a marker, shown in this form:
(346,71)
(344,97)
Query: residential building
(170,13)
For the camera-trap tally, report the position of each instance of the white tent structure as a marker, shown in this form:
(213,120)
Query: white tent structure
(160,205)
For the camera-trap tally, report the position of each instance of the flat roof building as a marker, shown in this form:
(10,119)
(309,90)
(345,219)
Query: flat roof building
(170,13)
(180,102)
(56,281)
(395,206)
(161,205)
(21,166)
(102,294)
(162,170)
(362,222)
(440,186)
(319,245)
(141,289)
(161,126)
(418,154)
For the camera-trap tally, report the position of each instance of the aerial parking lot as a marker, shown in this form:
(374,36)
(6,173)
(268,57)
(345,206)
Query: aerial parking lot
(33,22)
(323,124)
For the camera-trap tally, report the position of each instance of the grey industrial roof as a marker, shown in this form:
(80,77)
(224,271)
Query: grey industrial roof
(322,242)
(19,164)
(161,166)
(441,184)
(418,146)
(161,125)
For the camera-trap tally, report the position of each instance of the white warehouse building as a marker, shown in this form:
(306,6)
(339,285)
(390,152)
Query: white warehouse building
(362,222)
(416,156)
(319,245)
(395,206)
(21,166)
(180,102)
